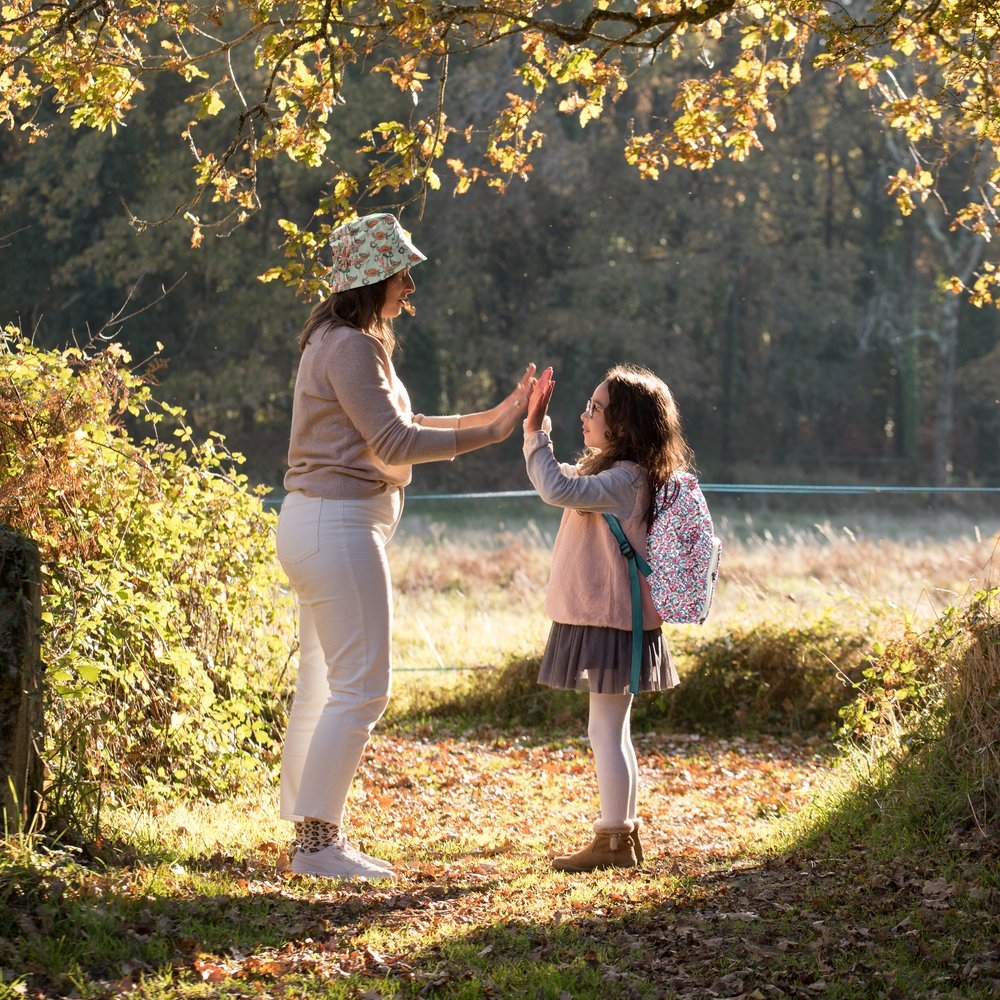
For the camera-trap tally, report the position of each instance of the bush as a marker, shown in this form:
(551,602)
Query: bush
(924,728)
(768,678)
(165,633)
(508,698)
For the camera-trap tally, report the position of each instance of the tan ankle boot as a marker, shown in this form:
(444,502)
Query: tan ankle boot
(611,848)
(636,846)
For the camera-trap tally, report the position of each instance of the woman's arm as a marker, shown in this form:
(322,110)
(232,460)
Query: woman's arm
(477,430)
(518,398)
(364,386)
(498,426)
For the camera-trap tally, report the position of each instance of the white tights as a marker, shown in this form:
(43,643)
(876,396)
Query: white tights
(614,756)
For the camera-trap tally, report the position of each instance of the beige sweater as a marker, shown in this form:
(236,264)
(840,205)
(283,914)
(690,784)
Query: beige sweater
(353,433)
(588,583)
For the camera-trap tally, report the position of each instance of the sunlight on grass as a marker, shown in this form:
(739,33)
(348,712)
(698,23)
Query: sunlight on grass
(746,885)
(470,597)
(240,827)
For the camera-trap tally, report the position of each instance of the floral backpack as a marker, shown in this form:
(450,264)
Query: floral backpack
(682,560)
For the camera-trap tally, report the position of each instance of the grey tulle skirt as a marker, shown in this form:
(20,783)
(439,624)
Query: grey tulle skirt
(589,658)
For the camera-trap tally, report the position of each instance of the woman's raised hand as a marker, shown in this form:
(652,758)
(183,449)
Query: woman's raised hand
(541,393)
(505,416)
(522,391)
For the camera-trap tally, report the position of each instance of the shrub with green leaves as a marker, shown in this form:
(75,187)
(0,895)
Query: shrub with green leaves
(901,679)
(924,727)
(928,682)
(166,633)
(765,678)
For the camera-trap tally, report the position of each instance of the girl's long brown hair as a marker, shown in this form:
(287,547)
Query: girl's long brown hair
(357,307)
(643,426)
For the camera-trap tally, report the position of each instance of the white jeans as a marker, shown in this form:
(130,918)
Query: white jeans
(333,552)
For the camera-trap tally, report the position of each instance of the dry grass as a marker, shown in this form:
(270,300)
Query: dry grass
(973,707)
(468,599)
(471,596)
(856,569)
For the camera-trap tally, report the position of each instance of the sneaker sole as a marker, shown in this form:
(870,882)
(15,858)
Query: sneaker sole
(381,875)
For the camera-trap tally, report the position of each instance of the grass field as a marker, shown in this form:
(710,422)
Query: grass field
(470,578)
(770,872)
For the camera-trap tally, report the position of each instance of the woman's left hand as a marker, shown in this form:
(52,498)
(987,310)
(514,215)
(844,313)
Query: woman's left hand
(518,399)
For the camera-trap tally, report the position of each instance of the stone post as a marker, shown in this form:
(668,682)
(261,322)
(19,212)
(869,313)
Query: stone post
(21,716)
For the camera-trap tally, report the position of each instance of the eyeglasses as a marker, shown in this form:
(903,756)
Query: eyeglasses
(592,407)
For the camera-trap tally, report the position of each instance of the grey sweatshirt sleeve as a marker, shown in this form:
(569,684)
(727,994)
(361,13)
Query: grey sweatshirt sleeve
(612,491)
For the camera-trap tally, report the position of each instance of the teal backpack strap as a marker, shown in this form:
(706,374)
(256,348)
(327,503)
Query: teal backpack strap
(635,564)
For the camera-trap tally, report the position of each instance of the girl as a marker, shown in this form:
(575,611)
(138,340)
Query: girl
(633,442)
(354,440)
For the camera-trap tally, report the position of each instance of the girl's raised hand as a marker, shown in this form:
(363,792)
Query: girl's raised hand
(541,393)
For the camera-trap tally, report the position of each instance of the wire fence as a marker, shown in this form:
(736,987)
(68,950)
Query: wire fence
(788,489)
(839,490)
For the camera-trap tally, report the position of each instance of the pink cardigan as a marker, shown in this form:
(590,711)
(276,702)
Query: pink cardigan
(588,583)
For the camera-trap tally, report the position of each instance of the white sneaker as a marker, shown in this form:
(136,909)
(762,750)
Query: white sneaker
(293,846)
(368,858)
(338,860)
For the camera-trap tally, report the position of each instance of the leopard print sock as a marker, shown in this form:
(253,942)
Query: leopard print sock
(314,834)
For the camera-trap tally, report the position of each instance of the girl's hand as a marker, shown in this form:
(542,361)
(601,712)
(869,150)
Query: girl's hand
(541,393)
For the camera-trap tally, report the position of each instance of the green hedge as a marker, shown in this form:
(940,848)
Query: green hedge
(166,634)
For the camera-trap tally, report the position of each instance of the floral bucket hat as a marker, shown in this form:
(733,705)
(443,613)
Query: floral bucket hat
(370,249)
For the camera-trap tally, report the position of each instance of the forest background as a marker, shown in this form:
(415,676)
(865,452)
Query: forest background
(797,287)
(801,319)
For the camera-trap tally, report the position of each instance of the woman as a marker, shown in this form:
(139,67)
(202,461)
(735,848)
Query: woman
(354,440)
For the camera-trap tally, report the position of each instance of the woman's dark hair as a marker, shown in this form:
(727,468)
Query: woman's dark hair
(643,426)
(358,307)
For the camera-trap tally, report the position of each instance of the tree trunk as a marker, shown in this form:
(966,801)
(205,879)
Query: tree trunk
(906,349)
(732,350)
(21,718)
(907,408)
(964,255)
(944,410)
(961,252)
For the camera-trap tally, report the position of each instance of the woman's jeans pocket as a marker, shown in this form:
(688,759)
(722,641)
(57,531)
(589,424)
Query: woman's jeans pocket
(298,529)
